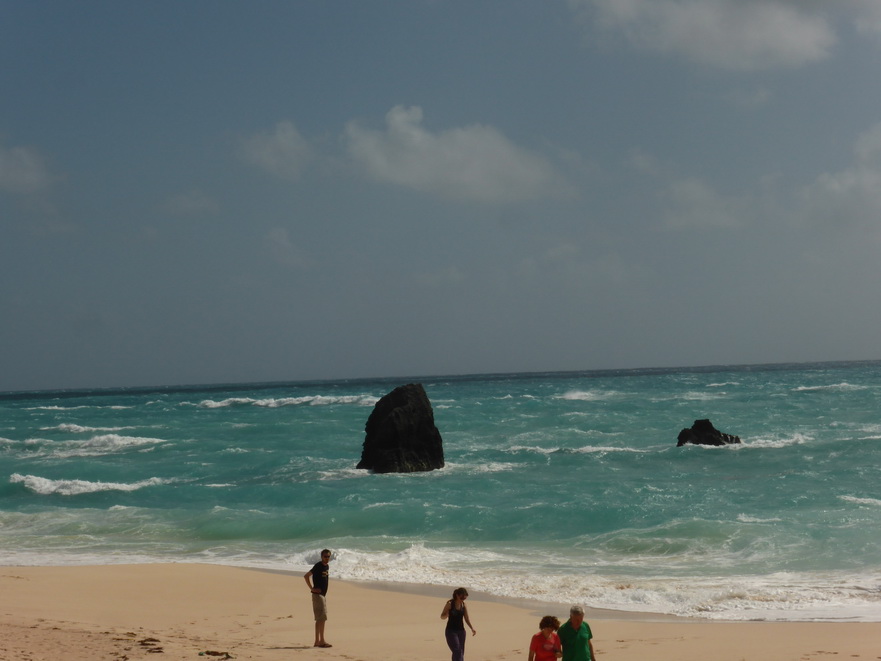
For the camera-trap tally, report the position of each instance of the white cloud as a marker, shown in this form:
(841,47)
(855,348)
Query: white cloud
(23,170)
(750,99)
(476,162)
(852,195)
(690,202)
(283,250)
(730,34)
(283,152)
(450,276)
(190,203)
(868,16)
(694,204)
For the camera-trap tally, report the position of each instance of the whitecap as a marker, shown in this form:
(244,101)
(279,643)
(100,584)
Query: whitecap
(278,402)
(489,467)
(532,448)
(875,502)
(56,408)
(589,449)
(795,439)
(375,505)
(698,396)
(744,518)
(79,429)
(346,473)
(101,445)
(116,407)
(843,386)
(46,487)
(587,395)
(230,401)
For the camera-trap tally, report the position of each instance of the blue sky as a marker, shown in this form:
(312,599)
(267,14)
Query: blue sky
(201,192)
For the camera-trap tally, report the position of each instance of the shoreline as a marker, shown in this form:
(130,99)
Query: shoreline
(538,607)
(82,613)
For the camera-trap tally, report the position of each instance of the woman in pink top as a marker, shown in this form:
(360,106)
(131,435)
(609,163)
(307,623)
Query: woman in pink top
(545,645)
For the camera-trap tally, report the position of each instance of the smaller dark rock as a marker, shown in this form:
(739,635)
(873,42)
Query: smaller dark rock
(702,432)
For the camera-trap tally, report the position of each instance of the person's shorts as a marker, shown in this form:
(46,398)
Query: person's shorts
(319,607)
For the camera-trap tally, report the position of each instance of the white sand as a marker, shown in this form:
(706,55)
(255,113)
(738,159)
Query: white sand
(133,611)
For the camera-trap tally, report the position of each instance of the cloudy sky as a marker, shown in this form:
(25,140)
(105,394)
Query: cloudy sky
(216,191)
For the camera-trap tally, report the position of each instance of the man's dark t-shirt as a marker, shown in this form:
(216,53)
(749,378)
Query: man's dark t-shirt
(320,576)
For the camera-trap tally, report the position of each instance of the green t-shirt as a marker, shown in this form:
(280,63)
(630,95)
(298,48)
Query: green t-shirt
(576,645)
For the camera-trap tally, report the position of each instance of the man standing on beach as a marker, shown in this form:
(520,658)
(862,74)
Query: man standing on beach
(320,575)
(576,637)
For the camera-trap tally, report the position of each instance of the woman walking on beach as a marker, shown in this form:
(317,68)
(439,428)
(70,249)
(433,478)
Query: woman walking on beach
(545,645)
(456,614)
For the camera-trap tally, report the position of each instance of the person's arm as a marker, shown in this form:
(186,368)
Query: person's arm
(562,642)
(593,657)
(468,621)
(306,578)
(532,649)
(445,613)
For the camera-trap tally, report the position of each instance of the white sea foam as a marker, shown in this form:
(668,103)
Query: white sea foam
(810,596)
(478,469)
(532,448)
(874,502)
(56,408)
(495,467)
(589,449)
(782,596)
(79,429)
(744,518)
(844,386)
(588,395)
(76,408)
(273,402)
(786,441)
(103,444)
(699,396)
(342,473)
(371,506)
(45,486)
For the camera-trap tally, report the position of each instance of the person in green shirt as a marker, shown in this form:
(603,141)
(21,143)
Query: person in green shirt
(576,637)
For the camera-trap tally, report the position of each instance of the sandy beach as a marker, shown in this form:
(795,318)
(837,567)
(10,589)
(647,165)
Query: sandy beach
(213,612)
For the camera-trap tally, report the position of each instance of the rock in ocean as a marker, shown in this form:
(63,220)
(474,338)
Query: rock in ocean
(703,432)
(401,436)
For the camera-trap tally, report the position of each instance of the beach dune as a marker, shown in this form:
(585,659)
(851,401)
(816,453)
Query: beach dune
(193,611)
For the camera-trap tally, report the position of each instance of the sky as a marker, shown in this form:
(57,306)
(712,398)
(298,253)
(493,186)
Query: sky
(196,192)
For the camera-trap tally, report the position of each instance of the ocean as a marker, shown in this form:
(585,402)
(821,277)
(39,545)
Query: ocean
(563,487)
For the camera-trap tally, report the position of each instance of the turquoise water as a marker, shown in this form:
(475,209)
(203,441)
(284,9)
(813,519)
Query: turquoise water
(565,487)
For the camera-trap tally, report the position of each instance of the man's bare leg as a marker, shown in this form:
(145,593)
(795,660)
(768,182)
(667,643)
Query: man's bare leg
(319,634)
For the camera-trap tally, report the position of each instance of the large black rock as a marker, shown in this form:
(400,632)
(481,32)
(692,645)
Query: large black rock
(400,434)
(702,432)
